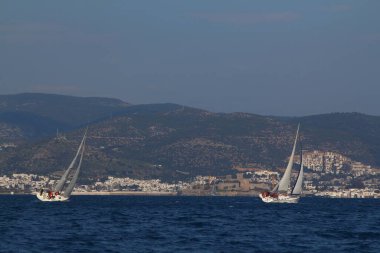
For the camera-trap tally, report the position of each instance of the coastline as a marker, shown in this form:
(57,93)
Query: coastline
(129,193)
(116,193)
(197,194)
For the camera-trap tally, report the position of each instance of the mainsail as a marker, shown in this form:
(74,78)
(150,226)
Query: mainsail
(284,183)
(297,190)
(61,182)
(71,185)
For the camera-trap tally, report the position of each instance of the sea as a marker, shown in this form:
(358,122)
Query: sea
(188,224)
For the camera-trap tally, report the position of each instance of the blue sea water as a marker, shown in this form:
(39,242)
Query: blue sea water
(188,224)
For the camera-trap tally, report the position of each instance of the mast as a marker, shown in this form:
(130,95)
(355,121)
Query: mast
(284,183)
(297,190)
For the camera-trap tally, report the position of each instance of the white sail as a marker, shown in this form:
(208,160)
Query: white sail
(58,187)
(284,183)
(297,190)
(62,180)
(73,181)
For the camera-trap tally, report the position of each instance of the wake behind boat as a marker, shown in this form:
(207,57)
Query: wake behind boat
(58,194)
(280,194)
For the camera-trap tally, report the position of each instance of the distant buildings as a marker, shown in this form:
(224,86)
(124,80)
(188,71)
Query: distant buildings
(28,183)
(128,184)
(334,163)
(324,162)
(23,182)
(350,193)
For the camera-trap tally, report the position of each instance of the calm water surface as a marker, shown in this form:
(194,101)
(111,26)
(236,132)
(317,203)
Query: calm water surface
(188,224)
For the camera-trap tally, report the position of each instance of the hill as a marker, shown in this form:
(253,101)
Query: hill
(170,141)
(353,134)
(35,115)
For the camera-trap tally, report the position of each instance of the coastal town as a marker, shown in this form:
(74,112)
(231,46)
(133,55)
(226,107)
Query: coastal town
(327,174)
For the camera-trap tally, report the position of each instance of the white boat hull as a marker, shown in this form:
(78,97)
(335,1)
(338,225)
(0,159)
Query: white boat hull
(45,197)
(280,199)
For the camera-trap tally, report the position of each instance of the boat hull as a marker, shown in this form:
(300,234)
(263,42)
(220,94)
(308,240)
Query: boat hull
(280,199)
(45,197)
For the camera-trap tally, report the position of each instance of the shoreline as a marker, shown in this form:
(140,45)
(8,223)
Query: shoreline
(132,193)
(120,193)
(115,193)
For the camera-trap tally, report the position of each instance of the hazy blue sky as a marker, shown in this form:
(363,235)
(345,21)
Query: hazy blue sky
(267,57)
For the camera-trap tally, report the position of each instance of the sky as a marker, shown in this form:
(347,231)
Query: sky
(285,58)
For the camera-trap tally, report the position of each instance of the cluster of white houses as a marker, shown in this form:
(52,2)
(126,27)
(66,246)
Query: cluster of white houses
(334,163)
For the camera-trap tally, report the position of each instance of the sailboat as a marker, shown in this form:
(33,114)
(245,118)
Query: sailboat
(280,193)
(59,193)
